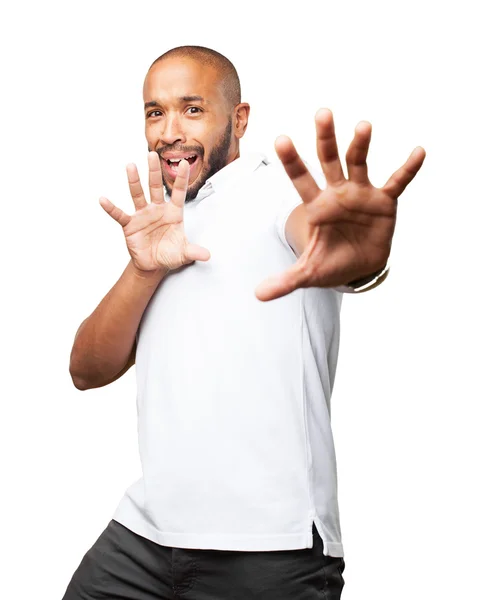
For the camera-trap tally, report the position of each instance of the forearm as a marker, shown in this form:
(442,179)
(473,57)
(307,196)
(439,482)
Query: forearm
(105,339)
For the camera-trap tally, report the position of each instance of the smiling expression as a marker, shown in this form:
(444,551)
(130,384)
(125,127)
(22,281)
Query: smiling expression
(188,116)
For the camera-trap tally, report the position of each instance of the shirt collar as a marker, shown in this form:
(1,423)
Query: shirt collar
(234,171)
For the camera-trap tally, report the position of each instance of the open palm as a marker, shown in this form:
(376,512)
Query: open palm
(155,234)
(346,228)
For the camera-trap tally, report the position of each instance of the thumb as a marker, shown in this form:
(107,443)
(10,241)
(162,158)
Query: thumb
(280,285)
(114,212)
(195,252)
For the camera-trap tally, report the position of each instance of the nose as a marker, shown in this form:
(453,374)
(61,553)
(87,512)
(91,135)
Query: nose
(172,131)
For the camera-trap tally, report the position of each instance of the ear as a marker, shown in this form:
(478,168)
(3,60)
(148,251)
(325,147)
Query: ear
(240,119)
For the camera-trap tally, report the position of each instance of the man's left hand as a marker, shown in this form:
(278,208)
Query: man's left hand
(344,232)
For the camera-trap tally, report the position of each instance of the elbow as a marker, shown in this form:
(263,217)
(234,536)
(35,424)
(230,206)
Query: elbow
(77,373)
(78,382)
(91,381)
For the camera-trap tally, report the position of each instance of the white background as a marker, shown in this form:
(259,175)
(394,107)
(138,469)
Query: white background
(405,405)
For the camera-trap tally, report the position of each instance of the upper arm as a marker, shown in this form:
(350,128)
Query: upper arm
(293,225)
(297,229)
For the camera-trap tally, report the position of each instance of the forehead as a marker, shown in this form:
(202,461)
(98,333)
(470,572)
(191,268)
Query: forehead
(177,77)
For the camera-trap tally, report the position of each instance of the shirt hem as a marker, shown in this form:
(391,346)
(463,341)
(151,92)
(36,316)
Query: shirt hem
(245,543)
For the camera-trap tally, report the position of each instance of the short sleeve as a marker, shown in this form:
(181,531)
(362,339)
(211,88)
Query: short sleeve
(289,202)
(289,198)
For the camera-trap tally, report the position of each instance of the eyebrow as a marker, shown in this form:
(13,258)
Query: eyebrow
(154,103)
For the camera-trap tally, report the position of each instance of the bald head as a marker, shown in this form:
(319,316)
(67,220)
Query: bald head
(193,109)
(227,75)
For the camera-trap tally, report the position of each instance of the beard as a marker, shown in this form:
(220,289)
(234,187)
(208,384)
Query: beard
(217,160)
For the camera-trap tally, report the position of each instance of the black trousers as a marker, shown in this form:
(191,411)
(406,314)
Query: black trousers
(124,565)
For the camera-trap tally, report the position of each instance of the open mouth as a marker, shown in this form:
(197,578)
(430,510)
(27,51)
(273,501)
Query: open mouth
(173,163)
(191,159)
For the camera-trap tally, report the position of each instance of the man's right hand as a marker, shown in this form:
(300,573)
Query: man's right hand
(155,234)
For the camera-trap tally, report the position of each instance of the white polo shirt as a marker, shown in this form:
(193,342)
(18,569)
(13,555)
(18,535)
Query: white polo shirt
(234,394)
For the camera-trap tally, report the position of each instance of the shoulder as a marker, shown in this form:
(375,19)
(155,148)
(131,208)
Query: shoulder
(275,173)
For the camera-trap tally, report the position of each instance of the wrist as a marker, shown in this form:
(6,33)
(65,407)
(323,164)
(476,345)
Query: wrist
(148,275)
(357,283)
(365,283)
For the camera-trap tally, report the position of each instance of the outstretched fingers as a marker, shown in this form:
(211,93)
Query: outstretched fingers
(180,186)
(295,168)
(327,147)
(399,180)
(134,184)
(358,152)
(155,178)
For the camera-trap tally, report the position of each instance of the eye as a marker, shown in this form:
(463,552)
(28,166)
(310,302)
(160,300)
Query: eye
(152,113)
(195,108)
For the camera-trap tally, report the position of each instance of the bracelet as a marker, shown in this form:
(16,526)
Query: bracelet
(365,283)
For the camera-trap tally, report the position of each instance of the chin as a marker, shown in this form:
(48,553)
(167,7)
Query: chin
(191,192)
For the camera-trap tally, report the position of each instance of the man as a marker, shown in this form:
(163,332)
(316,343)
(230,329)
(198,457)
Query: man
(238,494)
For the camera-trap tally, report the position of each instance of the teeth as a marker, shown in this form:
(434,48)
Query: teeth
(177,160)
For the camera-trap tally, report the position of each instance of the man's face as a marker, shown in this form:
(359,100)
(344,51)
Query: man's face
(186,116)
